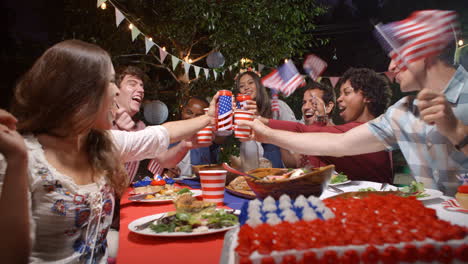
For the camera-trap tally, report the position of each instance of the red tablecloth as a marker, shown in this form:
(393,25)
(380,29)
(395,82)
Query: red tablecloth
(135,248)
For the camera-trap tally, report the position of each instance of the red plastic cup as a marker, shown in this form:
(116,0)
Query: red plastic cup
(212,184)
(205,136)
(242,131)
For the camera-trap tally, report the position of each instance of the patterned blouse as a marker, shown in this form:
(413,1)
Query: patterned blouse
(69,222)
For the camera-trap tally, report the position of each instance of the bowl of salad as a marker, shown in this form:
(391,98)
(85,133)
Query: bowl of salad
(293,182)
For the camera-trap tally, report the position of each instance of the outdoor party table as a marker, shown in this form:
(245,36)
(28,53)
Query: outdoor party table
(135,248)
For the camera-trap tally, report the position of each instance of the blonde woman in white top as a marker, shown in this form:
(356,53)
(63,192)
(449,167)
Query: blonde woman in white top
(65,106)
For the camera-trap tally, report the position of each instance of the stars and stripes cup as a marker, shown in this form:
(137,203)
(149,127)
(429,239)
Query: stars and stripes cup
(241,100)
(205,136)
(212,184)
(224,113)
(242,131)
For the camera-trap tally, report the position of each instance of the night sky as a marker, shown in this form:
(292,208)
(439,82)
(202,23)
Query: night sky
(34,25)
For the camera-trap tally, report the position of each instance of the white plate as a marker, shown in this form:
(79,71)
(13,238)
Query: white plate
(195,193)
(339,183)
(432,194)
(149,232)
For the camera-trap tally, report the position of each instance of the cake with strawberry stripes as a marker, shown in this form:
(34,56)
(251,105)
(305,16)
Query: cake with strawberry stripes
(374,229)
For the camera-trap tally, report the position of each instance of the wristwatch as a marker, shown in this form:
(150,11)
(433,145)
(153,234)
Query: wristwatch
(462,143)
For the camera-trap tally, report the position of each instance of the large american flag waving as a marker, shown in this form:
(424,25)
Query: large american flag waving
(423,34)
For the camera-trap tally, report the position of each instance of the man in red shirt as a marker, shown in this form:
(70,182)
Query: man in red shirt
(364,95)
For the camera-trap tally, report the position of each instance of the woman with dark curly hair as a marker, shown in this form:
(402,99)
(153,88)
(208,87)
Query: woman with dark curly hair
(364,95)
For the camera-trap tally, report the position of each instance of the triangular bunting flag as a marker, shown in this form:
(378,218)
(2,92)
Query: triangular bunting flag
(197,71)
(390,75)
(334,80)
(119,17)
(148,44)
(215,75)
(260,67)
(162,54)
(187,67)
(135,32)
(175,61)
(207,73)
(99,2)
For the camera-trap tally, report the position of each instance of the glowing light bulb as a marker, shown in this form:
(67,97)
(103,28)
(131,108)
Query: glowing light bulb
(285,60)
(189,61)
(150,39)
(130,26)
(164,48)
(460,42)
(103,6)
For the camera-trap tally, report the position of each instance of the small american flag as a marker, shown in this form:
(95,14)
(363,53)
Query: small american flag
(224,113)
(154,167)
(274,101)
(423,34)
(285,79)
(314,66)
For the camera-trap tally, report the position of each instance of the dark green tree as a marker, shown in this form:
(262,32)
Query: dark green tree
(264,31)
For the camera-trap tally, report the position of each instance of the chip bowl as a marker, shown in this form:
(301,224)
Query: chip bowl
(311,183)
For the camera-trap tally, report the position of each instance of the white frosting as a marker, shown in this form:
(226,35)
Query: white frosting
(284,198)
(308,214)
(273,219)
(284,204)
(269,207)
(255,202)
(290,216)
(254,221)
(269,200)
(301,201)
(314,200)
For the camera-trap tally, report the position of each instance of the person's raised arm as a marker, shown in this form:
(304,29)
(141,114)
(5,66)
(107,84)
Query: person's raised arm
(14,206)
(358,140)
(182,129)
(436,110)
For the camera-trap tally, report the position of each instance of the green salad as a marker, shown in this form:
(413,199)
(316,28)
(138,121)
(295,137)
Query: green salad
(369,189)
(414,189)
(193,222)
(339,178)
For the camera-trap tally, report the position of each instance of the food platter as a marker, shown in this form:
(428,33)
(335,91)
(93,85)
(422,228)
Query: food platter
(241,193)
(161,199)
(339,183)
(148,232)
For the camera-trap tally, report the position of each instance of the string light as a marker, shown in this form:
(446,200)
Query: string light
(189,61)
(460,42)
(150,39)
(164,48)
(130,26)
(103,6)
(285,60)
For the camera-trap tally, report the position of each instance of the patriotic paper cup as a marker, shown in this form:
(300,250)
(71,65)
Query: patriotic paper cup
(212,184)
(224,113)
(242,131)
(205,135)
